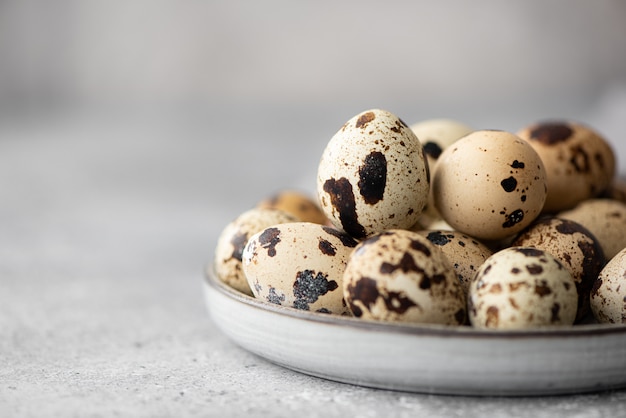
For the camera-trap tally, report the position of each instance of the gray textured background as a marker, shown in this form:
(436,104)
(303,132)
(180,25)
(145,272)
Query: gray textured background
(131,132)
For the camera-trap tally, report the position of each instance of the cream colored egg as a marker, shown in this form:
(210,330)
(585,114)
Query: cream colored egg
(522,288)
(574,246)
(465,253)
(608,296)
(234,237)
(489,185)
(373,175)
(579,162)
(400,276)
(605,219)
(299,265)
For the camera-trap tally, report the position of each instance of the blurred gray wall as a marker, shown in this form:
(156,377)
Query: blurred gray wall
(158,52)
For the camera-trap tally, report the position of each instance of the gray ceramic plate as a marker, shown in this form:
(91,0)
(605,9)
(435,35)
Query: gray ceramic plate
(423,358)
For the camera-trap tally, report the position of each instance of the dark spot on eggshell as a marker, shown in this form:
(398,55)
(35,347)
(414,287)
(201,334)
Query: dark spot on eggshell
(326,247)
(398,302)
(555,312)
(406,264)
(274,297)
(432,149)
(542,288)
(345,239)
(323,310)
(258,287)
(342,199)
(365,291)
(492,316)
(534,269)
(373,177)
(517,164)
(419,246)
(529,251)
(460,316)
(439,238)
(580,159)
(509,184)
(551,133)
(513,218)
(238,241)
(428,281)
(515,270)
(309,286)
(364,119)
(268,239)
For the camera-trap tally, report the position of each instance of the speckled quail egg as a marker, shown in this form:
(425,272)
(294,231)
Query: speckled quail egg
(373,175)
(522,288)
(579,162)
(436,135)
(489,184)
(608,296)
(233,238)
(299,265)
(574,246)
(296,203)
(464,252)
(605,219)
(400,276)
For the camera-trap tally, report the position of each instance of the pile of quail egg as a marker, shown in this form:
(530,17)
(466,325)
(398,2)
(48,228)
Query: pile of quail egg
(443,224)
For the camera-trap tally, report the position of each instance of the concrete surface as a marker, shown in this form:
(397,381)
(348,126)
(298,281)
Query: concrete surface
(106,222)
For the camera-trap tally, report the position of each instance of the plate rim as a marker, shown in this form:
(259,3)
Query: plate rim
(559,332)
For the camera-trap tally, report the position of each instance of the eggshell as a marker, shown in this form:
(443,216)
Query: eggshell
(465,253)
(234,237)
(489,185)
(399,275)
(608,296)
(373,175)
(436,135)
(579,162)
(299,265)
(574,246)
(297,203)
(522,288)
(605,219)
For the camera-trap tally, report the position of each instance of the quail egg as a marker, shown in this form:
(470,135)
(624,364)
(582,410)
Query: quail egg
(522,288)
(373,175)
(579,162)
(400,276)
(299,265)
(489,185)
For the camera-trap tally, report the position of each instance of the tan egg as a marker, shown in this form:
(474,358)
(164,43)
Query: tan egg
(605,219)
(579,162)
(608,296)
(435,136)
(233,239)
(465,253)
(373,175)
(400,276)
(489,185)
(522,288)
(296,203)
(574,246)
(299,265)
